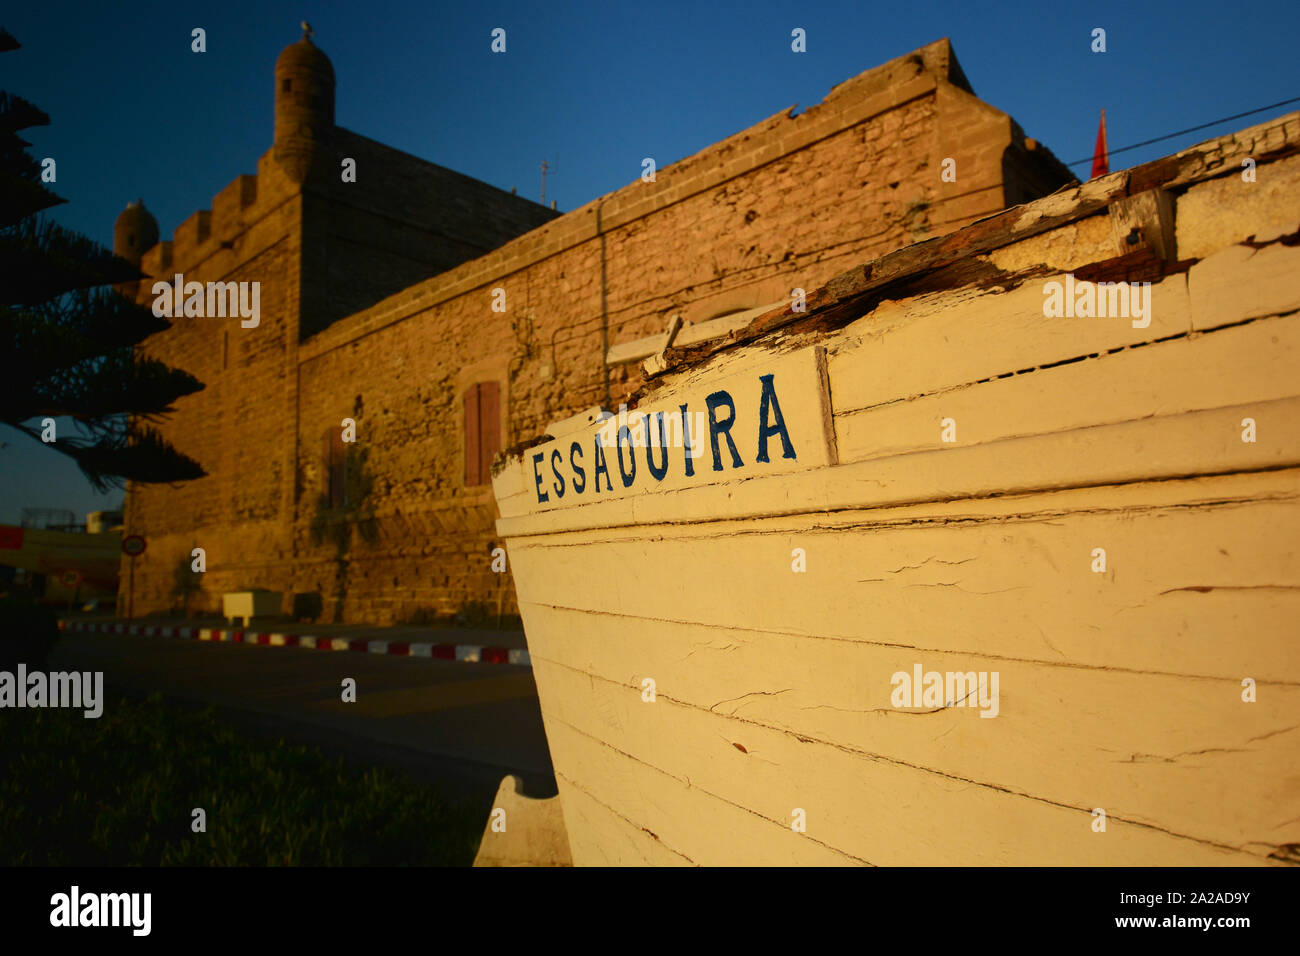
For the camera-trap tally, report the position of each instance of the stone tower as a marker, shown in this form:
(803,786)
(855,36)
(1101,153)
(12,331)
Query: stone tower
(304,106)
(134,231)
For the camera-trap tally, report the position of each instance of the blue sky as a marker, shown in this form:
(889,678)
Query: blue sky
(590,87)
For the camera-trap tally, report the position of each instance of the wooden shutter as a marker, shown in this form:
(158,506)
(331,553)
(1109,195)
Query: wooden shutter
(482,431)
(489,418)
(473,453)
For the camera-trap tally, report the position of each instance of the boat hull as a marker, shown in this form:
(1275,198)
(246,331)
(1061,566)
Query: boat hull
(1029,598)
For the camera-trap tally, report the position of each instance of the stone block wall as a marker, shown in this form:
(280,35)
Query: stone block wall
(235,426)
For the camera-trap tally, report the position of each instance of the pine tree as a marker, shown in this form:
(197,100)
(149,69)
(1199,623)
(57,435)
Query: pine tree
(67,339)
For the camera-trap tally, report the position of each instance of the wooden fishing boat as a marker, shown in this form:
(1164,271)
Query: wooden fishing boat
(976,560)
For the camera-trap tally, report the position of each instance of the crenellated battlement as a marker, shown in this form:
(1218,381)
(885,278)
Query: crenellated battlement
(190,235)
(157,259)
(228,218)
(228,207)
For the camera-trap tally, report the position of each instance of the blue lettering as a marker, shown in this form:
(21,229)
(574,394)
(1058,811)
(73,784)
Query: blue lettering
(688,443)
(631,455)
(764,429)
(575,451)
(663,445)
(541,495)
(556,458)
(721,399)
(602,467)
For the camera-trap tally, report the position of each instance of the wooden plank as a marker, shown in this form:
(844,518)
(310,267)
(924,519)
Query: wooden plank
(1244,282)
(1168,751)
(972,338)
(878,810)
(700,827)
(1185,446)
(1160,380)
(650,345)
(1013,585)
(599,836)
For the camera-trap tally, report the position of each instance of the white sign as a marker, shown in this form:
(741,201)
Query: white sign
(770,419)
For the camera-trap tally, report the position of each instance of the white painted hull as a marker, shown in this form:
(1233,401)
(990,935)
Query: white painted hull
(1119,690)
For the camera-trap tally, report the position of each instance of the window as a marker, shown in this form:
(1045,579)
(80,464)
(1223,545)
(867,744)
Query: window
(482,431)
(335,467)
(286,85)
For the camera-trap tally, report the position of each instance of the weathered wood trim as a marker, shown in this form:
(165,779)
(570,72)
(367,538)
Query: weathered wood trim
(652,345)
(1144,222)
(1266,142)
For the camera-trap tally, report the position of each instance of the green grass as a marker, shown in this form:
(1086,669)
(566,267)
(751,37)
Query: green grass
(119,791)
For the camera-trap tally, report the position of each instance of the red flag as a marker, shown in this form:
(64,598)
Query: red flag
(1100,159)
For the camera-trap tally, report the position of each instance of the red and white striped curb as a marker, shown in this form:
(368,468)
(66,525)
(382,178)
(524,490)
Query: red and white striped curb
(474,653)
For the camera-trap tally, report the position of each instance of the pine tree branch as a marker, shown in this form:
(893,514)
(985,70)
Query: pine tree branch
(67,345)
(20,198)
(132,454)
(40,260)
(16,113)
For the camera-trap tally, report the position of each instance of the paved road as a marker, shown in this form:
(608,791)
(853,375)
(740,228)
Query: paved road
(460,725)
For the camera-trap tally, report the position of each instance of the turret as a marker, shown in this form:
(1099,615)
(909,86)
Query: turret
(135,231)
(304,106)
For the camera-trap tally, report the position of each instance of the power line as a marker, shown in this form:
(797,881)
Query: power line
(930,204)
(579,328)
(583,327)
(1190,129)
